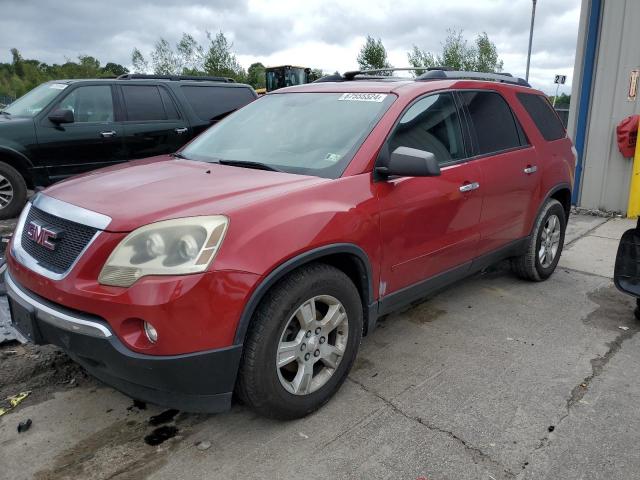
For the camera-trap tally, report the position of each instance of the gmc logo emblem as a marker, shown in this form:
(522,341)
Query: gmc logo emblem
(43,235)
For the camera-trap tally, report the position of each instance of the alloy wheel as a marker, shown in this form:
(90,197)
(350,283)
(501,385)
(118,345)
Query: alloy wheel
(549,241)
(312,345)
(6,192)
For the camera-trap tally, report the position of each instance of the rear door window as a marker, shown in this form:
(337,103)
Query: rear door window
(432,124)
(213,103)
(495,127)
(543,115)
(143,103)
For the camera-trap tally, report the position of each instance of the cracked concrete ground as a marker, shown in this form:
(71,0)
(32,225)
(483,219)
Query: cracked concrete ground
(493,378)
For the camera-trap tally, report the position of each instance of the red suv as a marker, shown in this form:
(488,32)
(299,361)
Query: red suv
(256,258)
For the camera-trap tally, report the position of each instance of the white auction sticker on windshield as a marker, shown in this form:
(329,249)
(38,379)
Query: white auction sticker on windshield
(58,86)
(363,97)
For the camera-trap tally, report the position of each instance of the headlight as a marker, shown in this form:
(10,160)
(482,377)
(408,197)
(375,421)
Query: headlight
(170,247)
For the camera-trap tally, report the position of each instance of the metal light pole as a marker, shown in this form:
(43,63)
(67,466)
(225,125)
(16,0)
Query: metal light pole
(533,17)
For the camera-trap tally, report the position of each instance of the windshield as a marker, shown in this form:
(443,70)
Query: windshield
(305,133)
(31,103)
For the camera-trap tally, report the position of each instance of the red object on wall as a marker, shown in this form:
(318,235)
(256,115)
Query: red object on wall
(627,134)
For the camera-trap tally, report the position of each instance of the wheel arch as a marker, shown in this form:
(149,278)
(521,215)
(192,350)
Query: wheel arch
(18,161)
(347,257)
(560,192)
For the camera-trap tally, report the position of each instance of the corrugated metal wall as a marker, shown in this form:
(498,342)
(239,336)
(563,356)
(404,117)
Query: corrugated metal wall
(606,174)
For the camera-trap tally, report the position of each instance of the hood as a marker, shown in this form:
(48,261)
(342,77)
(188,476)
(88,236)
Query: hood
(12,120)
(160,188)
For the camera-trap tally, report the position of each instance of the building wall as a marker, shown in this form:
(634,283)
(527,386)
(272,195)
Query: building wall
(606,174)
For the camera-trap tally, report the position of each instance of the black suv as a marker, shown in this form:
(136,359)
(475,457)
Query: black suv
(66,127)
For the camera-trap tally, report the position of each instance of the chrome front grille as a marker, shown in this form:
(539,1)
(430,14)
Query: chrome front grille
(70,228)
(73,241)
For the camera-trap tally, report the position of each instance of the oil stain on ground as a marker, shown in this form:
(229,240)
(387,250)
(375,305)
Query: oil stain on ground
(615,310)
(424,313)
(126,449)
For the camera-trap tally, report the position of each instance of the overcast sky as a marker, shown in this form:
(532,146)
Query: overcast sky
(323,34)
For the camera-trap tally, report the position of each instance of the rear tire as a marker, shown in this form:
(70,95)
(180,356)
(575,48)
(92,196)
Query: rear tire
(301,344)
(13,191)
(545,244)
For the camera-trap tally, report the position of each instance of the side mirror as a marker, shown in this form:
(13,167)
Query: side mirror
(410,162)
(627,270)
(61,115)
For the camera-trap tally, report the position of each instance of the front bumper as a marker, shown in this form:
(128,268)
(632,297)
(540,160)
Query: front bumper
(194,382)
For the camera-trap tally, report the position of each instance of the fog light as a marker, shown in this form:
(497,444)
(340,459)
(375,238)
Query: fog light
(152,333)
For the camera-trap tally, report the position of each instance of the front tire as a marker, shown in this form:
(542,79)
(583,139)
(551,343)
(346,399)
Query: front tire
(13,191)
(545,244)
(301,344)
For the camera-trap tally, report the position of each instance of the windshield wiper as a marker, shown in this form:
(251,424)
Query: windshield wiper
(6,113)
(179,155)
(256,165)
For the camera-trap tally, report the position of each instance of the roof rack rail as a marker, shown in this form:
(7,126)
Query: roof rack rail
(432,73)
(352,74)
(440,74)
(142,76)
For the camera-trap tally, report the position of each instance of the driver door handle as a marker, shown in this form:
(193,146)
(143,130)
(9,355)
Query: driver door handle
(108,134)
(182,130)
(530,169)
(468,187)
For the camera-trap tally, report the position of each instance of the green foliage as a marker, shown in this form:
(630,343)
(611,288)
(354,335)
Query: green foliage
(221,61)
(420,58)
(315,74)
(373,55)
(457,54)
(164,59)
(255,75)
(140,65)
(486,58)
(22,75)
(563,100)
(190,58)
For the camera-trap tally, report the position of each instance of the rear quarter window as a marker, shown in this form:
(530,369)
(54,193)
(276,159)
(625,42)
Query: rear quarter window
(213,103)
(543,115)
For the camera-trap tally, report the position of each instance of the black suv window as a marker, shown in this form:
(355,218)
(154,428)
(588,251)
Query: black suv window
(543,115)
(431,124)
(495,127)
(144,103)
(92,103)
(213,103)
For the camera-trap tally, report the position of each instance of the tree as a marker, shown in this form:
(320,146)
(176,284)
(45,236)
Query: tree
(221,61)
(164,61)
(563,100)
(190,55)
(114,69)
(487,59)
(373,55)
(315,74)
(255,75)
(17,62)
(138,61)
(420,58)
(22,75)
(457,54)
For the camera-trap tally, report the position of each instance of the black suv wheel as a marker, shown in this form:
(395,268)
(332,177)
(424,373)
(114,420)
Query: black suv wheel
(13,191)
(302,343)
